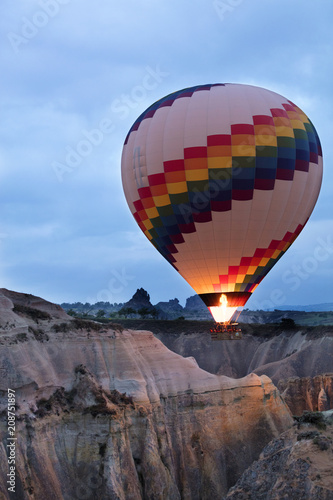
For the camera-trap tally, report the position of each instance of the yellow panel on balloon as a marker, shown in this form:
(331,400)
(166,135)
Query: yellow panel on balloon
(302,116)
(147,224)
(266,140)
(252,269)
(152,212)
(284,132)
(197,175)
(297,124)
(243,150)
(220,162)
(177,187)
(161,201)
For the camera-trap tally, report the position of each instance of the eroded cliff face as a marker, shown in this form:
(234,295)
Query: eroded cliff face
(311,393)
(105,413)
(284,354)
(299,362)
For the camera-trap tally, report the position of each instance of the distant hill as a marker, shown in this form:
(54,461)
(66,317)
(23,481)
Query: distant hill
(170,310)
(140,306)
(140,303)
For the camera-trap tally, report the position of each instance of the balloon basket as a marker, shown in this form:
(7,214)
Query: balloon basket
(226,331)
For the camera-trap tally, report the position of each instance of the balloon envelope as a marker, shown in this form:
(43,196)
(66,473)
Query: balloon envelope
(221,179)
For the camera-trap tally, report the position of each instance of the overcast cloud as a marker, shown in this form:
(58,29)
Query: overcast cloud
(75,72)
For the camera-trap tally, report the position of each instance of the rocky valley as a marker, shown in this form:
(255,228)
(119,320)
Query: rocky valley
(298,361)
(107,411)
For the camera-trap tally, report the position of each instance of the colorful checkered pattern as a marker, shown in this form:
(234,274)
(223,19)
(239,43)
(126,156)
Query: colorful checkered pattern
(210,178)
(251,270)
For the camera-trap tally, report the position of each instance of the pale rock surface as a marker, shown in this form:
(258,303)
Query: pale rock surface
(179,432)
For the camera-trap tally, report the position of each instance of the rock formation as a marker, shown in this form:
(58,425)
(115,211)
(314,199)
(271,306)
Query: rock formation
(107,413)
(310,393)
(295,466)
(298,355)
(141,298)
(169,310)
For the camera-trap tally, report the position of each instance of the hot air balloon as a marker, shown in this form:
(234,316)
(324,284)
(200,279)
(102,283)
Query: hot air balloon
(221,179)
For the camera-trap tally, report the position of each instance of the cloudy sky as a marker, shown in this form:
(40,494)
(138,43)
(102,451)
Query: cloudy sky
(76,74)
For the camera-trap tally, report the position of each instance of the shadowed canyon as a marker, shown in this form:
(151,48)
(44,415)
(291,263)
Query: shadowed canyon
(104,411)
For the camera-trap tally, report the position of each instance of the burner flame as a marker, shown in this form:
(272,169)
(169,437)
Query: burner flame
(223,313)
